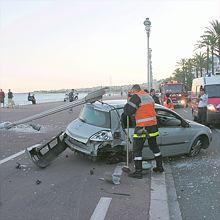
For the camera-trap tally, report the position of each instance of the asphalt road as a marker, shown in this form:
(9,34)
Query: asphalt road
(71,188)
(197,180)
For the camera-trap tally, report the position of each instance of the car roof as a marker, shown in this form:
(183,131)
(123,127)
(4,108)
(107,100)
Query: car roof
(110,104)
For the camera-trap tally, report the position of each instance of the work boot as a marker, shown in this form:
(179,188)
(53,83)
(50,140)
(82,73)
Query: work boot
(159,166)
(158,169)
(138,170)
(136,174)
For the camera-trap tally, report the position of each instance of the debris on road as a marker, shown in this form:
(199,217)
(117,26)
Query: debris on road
(115,193)
(38,182)
(112,178)
(19,166)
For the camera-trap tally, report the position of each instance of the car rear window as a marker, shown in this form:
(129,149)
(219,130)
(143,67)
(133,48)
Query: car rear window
(94,116)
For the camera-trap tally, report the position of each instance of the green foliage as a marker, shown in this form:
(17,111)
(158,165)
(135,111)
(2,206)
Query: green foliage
(189,68)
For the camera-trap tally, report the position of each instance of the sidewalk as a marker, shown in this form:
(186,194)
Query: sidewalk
(163,202)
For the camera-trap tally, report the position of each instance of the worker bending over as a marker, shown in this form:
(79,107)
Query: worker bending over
(141,104)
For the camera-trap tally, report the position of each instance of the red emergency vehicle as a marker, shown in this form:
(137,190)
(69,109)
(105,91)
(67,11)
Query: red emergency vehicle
(178,93)
(211,84)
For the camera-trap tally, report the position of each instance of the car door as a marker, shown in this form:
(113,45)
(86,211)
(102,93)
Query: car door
(174,136)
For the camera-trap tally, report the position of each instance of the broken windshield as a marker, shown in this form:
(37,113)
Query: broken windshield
(94,116)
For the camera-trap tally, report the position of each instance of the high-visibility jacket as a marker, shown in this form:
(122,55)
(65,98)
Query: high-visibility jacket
(145,114)
(169,105)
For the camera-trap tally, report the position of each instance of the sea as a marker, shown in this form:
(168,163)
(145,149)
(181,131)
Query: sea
(22,98)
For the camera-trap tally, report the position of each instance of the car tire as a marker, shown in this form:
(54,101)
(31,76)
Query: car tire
(196,147)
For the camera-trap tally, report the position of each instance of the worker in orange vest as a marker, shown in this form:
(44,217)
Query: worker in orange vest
(168,102)
(141,104)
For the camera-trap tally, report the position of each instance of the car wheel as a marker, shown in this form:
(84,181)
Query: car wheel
(196,147)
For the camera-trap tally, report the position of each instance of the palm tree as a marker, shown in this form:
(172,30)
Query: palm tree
(214,31)
(200,62)
(178,75)
(183,66)
(208,41)
(189,75)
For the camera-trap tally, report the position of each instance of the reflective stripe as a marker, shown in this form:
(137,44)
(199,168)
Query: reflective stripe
(138,158)
(154,134)
(139,135)
(157,154)
(146,119)
(132,104)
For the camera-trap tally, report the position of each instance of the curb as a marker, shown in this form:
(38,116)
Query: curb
(174,208)
(163,201)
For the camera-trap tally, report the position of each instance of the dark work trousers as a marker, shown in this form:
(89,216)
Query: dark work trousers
(202,114)
(138,145)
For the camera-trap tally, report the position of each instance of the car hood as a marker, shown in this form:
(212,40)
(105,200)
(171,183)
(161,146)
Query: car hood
(200,126)
(82,131)
(195,124)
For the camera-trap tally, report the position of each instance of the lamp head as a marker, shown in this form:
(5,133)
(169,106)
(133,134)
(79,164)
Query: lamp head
(147,24)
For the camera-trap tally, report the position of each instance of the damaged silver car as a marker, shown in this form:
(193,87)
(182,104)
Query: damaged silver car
(100,129)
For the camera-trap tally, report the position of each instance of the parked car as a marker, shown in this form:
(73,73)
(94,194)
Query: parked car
(99,129)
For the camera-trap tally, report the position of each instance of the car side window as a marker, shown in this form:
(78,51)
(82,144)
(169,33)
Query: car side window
(167,119)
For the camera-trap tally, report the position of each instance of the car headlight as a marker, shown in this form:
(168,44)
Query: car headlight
(179,95)
(102,136)
(211,108)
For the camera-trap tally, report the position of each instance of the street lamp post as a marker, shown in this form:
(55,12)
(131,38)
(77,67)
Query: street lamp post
(150,68)
(147,25)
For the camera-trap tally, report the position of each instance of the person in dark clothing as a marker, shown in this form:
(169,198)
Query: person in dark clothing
(141,104)
(153,95)
(31,98)
(2,98)
(71,96)
(10,99)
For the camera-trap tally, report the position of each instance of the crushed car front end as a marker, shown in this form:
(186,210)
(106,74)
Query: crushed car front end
(94,132)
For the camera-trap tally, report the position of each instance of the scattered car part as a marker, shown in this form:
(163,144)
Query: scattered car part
(44,154)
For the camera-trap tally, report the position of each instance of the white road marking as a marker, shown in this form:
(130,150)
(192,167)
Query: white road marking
(185,110)
(101,209)
(17,154)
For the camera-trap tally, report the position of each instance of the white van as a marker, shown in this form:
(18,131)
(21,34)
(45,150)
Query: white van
(211,84)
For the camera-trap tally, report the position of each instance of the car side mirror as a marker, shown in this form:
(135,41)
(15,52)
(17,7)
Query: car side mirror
(184,124)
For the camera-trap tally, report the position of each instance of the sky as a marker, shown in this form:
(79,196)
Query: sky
(58,44)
